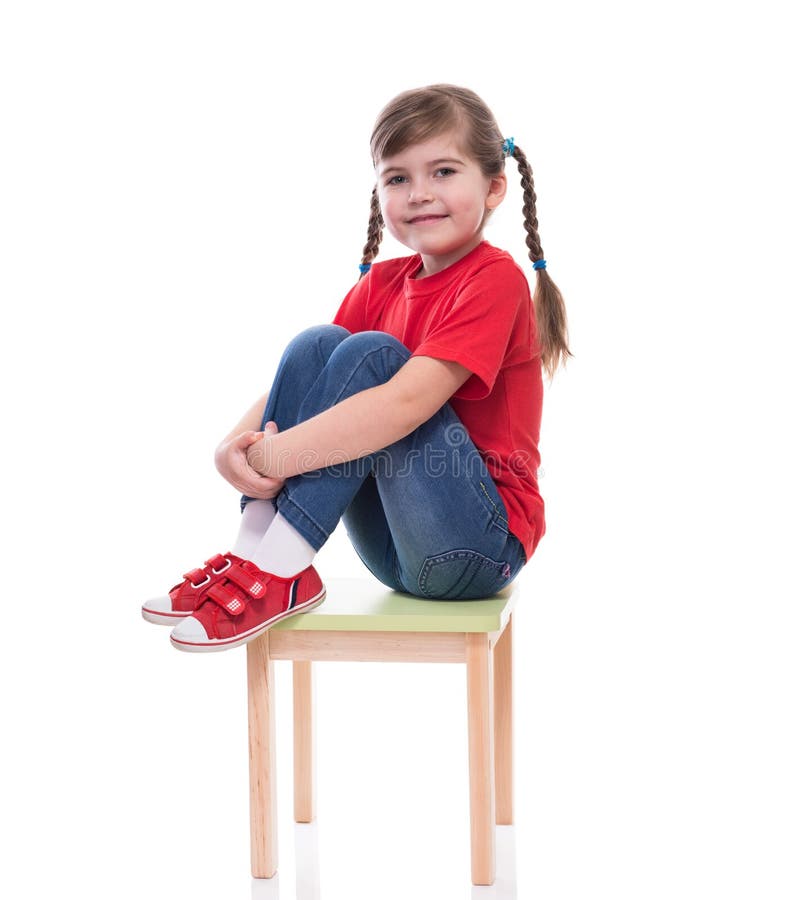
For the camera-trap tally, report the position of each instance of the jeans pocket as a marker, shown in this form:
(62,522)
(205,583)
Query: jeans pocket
(462,575)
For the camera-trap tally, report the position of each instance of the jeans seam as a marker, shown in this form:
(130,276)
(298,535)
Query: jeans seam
(498,521)
(288,499)
(493,503)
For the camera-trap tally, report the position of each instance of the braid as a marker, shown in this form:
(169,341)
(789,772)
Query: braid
(375,229)
(549,305)
(528,210)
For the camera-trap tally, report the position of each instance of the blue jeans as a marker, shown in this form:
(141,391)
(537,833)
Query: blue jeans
(423,514)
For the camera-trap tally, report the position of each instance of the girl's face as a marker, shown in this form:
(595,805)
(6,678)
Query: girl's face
(434,199)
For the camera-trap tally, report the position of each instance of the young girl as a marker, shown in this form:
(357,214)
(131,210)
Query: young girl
(414,416)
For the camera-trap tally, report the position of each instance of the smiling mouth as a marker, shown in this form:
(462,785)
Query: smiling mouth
(419,219)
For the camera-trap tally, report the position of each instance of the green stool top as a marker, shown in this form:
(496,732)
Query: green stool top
(358,604)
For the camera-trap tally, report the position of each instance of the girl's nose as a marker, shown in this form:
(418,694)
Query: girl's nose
(419,193)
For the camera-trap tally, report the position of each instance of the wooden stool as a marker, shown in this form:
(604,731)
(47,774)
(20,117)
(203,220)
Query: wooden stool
(363,621)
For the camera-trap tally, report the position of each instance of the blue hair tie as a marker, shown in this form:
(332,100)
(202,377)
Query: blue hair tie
(508,146)
(540,264)
(364,267)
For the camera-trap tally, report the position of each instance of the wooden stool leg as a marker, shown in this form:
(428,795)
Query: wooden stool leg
(503,725)
(263,772)
(481,756)
(304,741)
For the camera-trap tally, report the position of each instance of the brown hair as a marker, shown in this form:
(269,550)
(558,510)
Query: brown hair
(415,116)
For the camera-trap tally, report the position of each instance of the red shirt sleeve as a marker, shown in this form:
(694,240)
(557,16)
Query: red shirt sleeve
(478,329)
(352,313)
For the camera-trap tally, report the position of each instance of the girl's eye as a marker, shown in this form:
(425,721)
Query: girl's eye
(397,179)
(445,171)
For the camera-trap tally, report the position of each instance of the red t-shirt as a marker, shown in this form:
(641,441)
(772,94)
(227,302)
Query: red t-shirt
(477,312)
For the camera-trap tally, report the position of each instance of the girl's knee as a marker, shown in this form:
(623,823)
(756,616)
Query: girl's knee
(324,337)
(377,347)
(363,342)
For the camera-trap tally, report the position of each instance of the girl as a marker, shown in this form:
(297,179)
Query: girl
(414,416)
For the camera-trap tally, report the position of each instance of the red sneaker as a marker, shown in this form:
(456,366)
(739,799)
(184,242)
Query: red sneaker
(182,599)
(246,603)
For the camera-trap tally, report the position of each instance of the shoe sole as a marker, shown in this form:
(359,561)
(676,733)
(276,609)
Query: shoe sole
(162,618)
(245,637)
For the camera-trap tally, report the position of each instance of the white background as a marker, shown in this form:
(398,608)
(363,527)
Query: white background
(184,186)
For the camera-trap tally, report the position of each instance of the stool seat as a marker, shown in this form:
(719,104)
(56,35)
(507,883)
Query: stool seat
(353,604)
(362,620)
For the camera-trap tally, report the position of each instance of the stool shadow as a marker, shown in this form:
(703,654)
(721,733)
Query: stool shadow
(308,878)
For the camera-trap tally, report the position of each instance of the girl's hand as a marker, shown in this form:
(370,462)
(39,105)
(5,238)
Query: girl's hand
(230,459)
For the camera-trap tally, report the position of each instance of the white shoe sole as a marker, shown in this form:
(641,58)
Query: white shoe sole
(162,618)
(239,639)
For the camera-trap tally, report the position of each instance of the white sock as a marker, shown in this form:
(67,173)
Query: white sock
(282,550)
(255,521)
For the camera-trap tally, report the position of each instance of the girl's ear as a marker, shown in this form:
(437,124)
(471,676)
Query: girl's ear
(496,191)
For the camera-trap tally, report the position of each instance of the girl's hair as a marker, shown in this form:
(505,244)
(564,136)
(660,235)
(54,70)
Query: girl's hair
(417,115)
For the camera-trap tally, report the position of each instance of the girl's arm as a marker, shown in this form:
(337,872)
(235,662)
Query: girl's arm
(363,423)
(251,420)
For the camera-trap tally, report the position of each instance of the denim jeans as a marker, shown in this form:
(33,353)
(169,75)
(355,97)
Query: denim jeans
(423,514)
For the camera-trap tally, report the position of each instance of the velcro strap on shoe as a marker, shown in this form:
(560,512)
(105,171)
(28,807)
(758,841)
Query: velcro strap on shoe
(232,602)
(196,577)
(218,562)
(255,587)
